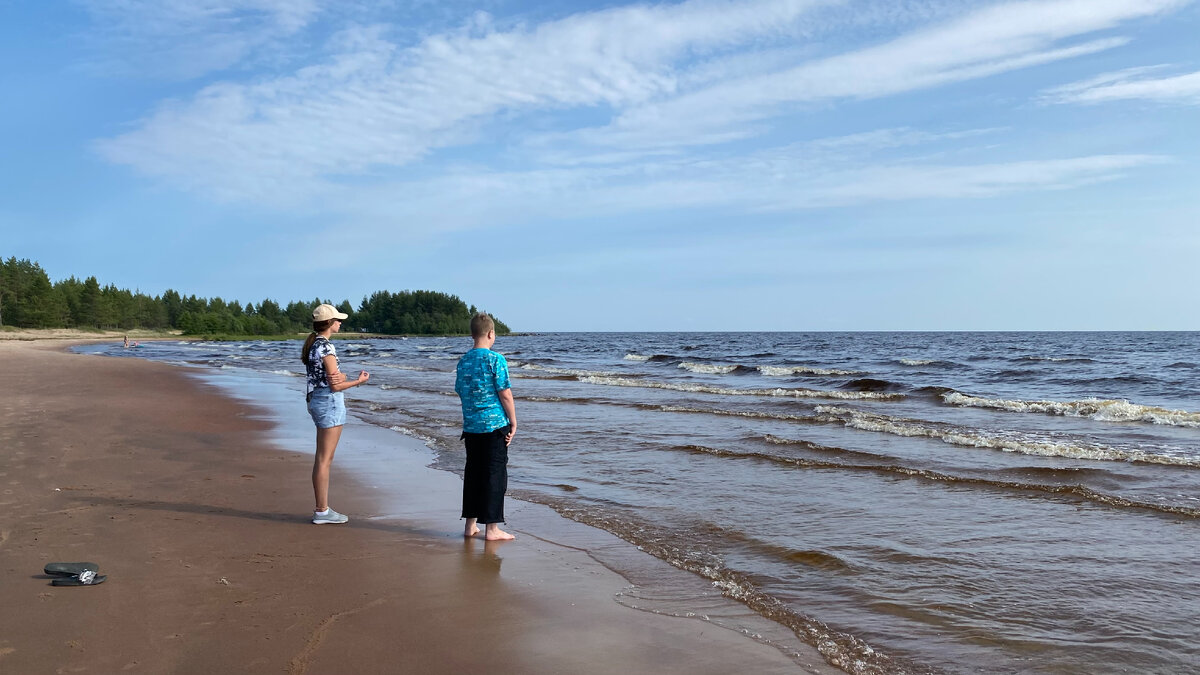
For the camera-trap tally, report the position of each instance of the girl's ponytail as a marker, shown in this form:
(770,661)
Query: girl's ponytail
(318,326)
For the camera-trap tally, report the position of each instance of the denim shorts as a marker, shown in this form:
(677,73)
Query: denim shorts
(327,408)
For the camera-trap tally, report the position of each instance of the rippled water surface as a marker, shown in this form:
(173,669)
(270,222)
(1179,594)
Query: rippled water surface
(955,502)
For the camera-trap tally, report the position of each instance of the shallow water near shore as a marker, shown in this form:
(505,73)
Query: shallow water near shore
(1000,502)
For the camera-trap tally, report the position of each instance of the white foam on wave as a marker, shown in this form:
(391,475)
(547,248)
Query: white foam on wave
(770,371)
(703,389)
(737,413)
(636,357)
(788,371)
(396,366)
(708,368)
(1103,410)
(435,348)
(288,373)
(574,372)
(429,441)
(917,362)
(974,438)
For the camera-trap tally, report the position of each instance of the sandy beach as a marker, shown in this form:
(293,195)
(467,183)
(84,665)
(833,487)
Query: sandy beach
(193,505)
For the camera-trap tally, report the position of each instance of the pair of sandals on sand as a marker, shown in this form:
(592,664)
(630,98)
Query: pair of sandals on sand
(74,574)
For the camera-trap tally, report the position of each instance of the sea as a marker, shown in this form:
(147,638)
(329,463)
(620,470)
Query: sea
(945,502)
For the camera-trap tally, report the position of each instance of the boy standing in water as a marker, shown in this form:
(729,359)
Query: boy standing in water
(489,422)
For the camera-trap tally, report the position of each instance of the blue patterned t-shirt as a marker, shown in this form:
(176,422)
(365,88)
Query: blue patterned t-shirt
(482,375)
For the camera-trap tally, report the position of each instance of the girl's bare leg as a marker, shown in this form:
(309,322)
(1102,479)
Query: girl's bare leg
(472,529)
(327,440)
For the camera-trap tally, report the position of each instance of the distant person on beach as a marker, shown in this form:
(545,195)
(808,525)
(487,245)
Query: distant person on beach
(126,342)
(489,422)
(326,403)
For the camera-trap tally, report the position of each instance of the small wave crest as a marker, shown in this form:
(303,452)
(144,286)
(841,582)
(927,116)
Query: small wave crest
(790,371)
(1054,359)
(710,368)
(753,414)
(287,373)
(769,371)
(1103,410)
(1034,488)
(974,438)
(429,441)
(573,372)
(396,366)
(649,357)
(704,389)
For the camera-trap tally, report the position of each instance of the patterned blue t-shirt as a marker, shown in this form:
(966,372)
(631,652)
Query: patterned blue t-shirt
(482,374)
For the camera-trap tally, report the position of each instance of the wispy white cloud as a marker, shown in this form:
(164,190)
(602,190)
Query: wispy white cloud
(989,41)
(1129,85)
(663,80)
(182,39)
(373,104)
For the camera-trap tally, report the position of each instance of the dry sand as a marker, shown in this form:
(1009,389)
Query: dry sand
(197,513)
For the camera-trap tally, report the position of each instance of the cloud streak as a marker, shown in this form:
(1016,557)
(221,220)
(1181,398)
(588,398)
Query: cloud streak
(611,104)
(1131,84)
(987,42)
(185,39)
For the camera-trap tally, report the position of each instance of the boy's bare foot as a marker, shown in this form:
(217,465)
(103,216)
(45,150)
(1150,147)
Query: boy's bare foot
(494,533)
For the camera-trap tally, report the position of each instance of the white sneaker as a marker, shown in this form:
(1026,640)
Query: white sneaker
(329,517)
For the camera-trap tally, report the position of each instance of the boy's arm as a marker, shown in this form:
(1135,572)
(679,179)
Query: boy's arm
(510,410)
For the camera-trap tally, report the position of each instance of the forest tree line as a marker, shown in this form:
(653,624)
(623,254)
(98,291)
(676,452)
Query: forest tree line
(28,299)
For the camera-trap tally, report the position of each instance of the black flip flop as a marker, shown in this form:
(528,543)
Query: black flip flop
(70,569)
(86,578)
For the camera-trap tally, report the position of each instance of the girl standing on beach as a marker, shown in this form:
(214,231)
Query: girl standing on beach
(326,403)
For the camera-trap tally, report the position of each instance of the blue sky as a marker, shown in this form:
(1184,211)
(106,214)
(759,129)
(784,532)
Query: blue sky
(700,165)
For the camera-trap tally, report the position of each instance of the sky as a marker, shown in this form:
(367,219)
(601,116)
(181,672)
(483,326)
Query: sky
(605,166)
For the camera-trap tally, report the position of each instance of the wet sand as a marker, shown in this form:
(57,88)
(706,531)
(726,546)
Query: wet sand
(196,511)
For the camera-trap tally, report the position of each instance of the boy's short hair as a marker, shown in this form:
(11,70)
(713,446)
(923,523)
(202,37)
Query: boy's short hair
(481,325)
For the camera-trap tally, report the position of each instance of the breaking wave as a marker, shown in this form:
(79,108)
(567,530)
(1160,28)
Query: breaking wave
(429,441)
(975,438)
(710,368)
(1055,359)
(1092,408)
(573,372)
(788,371)
(704,389)
(1042,489)
(769,371)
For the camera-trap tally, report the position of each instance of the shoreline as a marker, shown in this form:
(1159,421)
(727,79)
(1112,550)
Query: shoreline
(189,500)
